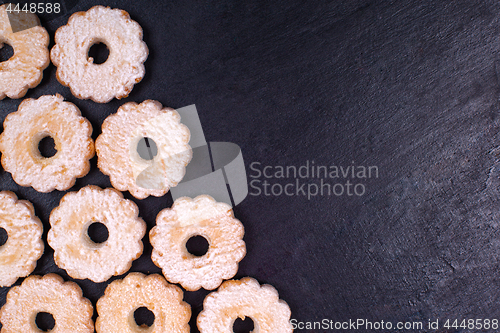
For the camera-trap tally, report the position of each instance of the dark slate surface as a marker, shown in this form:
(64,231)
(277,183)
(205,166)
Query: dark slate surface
(409,87)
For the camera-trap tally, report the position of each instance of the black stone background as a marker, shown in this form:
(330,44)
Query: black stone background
(409,86)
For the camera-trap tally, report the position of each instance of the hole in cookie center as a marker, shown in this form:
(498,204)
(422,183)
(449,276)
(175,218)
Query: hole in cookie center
(144,318)
(146,148)
(197,246)
(98,233)
(45,321)
(243,326)
(6,52)
(47,147)
(99,52)
(3,236)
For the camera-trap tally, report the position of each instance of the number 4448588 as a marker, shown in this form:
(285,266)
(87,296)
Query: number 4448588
(35,8)
(472,324)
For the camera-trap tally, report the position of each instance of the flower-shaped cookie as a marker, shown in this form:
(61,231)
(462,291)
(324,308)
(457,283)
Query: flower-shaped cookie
(205,217)
(24,69)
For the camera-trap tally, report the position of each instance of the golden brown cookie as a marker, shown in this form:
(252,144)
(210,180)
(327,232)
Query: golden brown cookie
(202,216)
(117,149)
(244,298)
(34,120)
(122,297)
(63,300)
(75,252)
(24,69)
(24,244)
(124,67)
